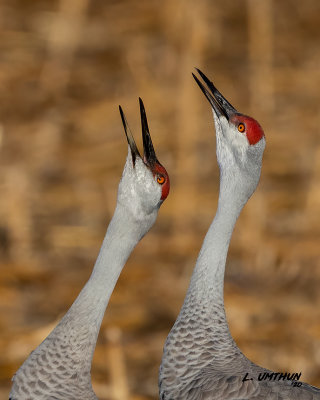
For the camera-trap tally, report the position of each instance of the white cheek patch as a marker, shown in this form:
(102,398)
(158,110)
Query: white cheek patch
(236,138)
(144,178)
(232,145)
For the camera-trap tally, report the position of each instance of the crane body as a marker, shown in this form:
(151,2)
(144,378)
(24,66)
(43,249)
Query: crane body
(201,359)
(60,367)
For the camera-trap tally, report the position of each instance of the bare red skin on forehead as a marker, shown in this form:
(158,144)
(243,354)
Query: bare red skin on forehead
(158,169)
(253,130)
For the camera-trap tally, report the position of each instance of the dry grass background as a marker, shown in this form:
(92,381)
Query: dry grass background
(64,68)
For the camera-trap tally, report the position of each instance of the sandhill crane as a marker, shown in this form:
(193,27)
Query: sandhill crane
(59,368)
(200,359)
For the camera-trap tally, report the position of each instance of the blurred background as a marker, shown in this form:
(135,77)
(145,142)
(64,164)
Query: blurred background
(65,66)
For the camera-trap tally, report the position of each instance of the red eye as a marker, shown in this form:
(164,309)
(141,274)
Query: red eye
(160,179)
(241,127)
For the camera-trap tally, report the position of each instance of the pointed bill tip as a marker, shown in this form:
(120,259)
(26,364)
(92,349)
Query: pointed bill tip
(121,111)
(129,136)
(143,115)
(207,81)
(212,100)
(124,121)
(204,77)
(143,112)
(149,153)
(218,102)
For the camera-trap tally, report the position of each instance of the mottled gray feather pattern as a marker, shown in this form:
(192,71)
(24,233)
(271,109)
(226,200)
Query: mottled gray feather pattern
(198,366)
(58,368)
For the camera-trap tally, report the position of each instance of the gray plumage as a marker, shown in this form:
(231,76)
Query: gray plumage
(60,367)
(200,358)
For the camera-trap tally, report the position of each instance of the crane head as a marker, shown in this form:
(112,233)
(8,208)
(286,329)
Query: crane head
(145,183)
(240,138)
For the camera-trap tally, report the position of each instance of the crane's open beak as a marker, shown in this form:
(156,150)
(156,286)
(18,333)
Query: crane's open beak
(149,154)
(220,104)
(133,147)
